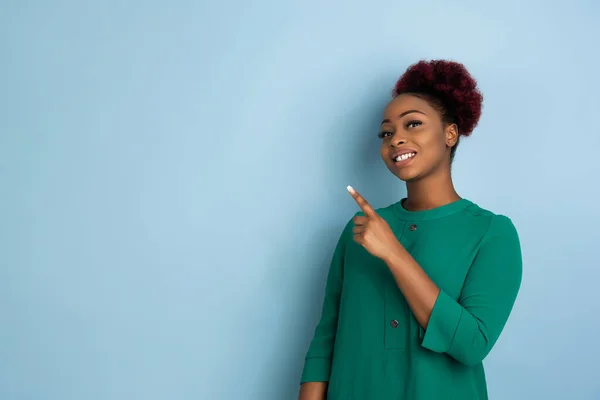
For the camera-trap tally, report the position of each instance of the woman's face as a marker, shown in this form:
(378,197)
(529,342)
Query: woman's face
(415,142)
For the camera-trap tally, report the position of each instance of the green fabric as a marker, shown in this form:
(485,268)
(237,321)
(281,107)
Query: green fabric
(368,345)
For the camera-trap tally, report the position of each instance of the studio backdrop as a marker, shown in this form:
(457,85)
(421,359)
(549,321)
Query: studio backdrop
(173,181)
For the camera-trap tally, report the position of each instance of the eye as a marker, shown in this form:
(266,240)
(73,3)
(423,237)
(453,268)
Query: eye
(413,124)
(384,134)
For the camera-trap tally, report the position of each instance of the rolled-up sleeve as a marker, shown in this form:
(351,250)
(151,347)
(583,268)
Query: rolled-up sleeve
(317,365)
(467,329)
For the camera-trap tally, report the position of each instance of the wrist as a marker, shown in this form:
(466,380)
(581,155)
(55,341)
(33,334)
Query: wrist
(396,256)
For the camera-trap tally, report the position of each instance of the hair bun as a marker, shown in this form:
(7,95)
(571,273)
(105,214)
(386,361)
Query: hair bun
(451,83)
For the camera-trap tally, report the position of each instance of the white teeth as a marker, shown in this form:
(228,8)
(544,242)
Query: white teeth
(404,156)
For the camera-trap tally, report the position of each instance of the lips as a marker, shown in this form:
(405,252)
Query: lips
(403,156)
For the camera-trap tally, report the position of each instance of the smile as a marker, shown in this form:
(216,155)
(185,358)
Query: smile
(404,157)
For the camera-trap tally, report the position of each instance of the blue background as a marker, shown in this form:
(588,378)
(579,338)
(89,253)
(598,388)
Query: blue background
(173,183)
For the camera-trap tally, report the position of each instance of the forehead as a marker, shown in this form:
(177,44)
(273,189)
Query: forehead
(406,102)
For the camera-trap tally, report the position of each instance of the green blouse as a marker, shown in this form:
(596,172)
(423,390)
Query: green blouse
(369,346)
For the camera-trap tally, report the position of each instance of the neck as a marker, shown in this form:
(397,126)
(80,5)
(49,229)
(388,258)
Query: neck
(430,192)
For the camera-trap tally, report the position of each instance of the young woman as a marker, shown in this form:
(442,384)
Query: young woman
(418,292)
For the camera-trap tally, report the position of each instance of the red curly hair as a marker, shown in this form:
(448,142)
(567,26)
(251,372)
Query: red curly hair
(448,87)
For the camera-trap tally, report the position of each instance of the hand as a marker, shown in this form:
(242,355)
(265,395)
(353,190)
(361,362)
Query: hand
(373,232)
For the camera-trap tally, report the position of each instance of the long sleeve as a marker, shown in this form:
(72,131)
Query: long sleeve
(317,366)
(467,329)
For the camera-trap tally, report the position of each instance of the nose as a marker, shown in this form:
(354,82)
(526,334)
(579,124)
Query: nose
(397,140)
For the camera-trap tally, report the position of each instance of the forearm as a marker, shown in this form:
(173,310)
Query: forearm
(313,391)
(466,328)
(418,289)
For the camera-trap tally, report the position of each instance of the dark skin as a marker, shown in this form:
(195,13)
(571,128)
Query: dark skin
(413,127)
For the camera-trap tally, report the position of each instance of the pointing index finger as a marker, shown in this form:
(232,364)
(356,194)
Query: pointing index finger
(362,203)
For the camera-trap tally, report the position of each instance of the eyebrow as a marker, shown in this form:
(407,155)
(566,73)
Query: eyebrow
(403,114)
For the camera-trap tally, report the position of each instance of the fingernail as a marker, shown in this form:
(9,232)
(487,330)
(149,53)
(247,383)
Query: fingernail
(350,189)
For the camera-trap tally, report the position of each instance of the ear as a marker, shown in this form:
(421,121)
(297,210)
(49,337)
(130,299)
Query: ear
(451,135)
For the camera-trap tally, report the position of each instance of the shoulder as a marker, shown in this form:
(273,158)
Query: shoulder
(498,225)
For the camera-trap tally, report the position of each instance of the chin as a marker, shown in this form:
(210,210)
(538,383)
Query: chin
(408,177)
(405,174)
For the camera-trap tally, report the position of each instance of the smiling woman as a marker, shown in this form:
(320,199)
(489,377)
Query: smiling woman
(418,292)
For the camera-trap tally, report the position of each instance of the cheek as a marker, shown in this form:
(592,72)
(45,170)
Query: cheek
(432,146)
(384,150)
